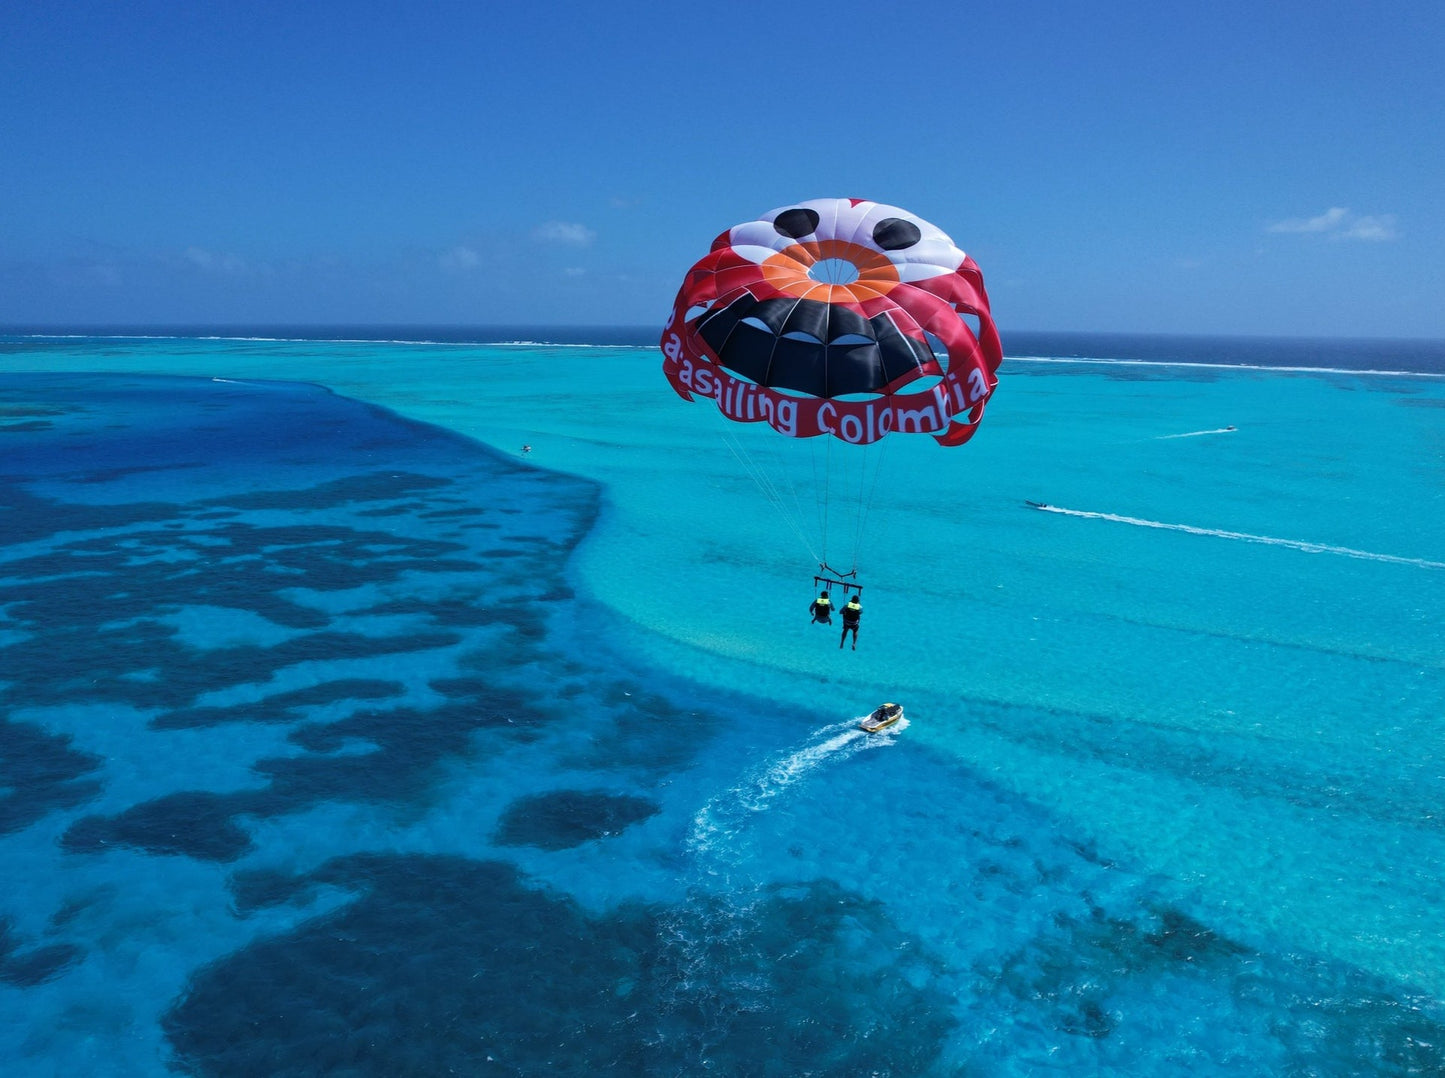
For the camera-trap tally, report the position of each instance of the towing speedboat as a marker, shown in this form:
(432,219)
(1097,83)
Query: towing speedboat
(881,718)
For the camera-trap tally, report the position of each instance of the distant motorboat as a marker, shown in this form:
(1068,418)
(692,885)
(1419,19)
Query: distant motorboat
(881,718)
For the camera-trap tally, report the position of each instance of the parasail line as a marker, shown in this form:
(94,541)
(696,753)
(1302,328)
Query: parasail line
(769,490)
(866,493)
(782,476)
(1245,537)
(827,483)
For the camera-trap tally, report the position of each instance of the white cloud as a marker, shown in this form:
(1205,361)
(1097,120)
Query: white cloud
(574,271)
(212,261)
(1380,227)
(565,232)
(1339,223)
(1331,218)
(460,257)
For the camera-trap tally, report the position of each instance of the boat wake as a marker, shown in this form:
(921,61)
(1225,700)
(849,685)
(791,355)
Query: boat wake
(761,786)
(717,951)
(1245,537)
(1196,433)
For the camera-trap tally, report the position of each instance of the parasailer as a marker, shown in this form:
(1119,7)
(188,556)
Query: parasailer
(839,319)
(852,614)
(822,609)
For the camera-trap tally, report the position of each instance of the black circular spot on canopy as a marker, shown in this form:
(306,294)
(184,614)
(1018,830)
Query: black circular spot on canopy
(894,234)
(796,223)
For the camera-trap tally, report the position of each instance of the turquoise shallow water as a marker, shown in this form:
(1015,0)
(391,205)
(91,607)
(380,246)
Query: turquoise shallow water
(1168,798)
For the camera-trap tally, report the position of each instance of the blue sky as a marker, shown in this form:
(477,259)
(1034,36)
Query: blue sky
(1267,167)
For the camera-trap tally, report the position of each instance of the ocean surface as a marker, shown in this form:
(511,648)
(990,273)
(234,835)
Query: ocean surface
(339,735)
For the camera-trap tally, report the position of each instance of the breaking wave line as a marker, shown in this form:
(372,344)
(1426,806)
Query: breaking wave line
(1279,368)
(1245,537)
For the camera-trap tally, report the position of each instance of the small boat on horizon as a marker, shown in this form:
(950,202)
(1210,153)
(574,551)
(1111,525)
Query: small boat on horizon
(881,718)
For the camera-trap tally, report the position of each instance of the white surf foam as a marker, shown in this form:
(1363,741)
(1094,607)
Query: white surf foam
(1245,537)
(251,339)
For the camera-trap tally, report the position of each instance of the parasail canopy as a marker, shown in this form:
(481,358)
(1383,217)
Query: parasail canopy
(838,317)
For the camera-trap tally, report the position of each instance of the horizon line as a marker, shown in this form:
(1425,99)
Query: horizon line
(116,329)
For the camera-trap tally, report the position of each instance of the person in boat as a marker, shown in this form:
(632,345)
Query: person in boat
(852,612)
(822,610)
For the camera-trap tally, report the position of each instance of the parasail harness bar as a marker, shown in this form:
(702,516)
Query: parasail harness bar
(824,578)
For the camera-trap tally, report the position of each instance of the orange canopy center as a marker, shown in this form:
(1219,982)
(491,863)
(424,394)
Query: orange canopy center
(788,271)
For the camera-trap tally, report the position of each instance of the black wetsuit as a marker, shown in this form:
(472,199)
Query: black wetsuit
(822,611)
(851,616)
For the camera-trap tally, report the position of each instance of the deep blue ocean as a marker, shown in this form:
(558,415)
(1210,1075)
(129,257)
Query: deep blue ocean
(341,735)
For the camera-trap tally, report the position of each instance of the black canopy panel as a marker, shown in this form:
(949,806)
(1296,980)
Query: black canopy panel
(810,347)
